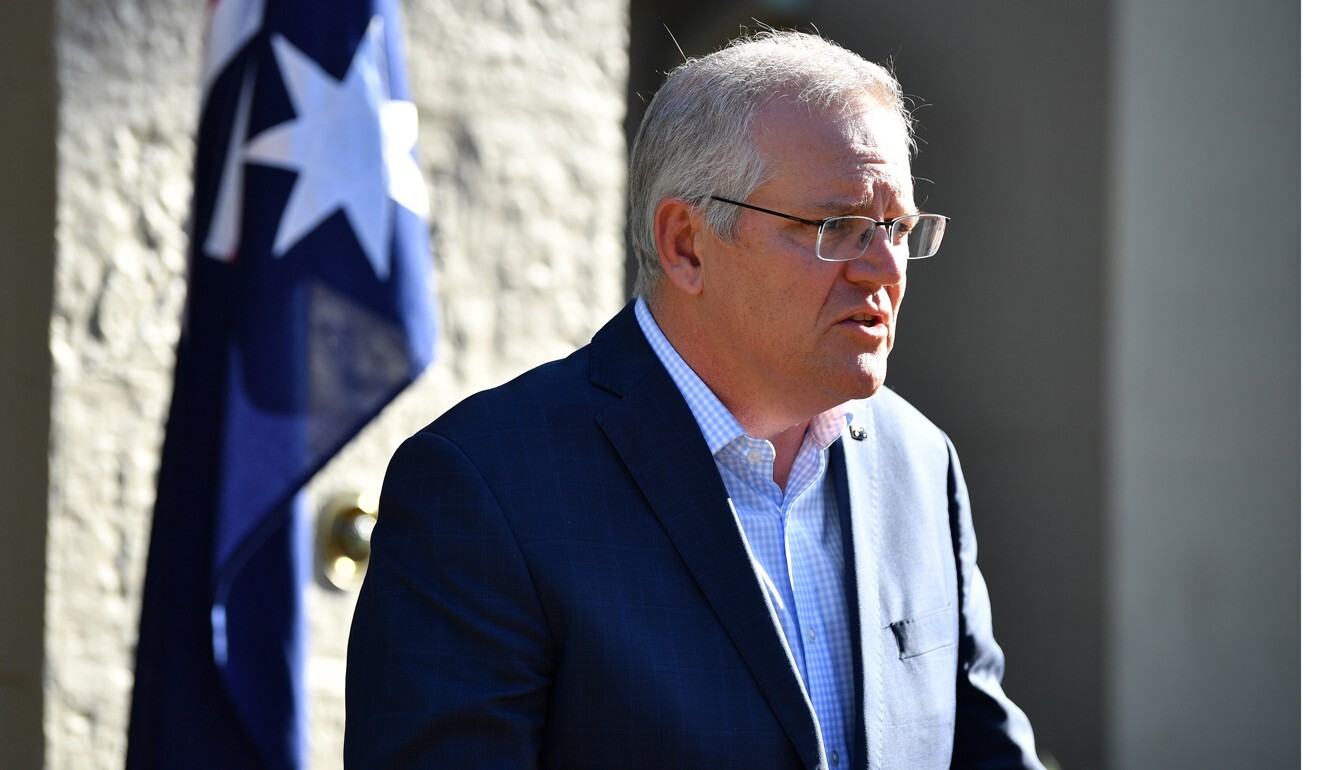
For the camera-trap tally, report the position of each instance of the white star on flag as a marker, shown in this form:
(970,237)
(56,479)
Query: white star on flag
(351,146)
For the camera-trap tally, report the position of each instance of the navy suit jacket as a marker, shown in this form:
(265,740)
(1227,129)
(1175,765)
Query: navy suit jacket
(557,580)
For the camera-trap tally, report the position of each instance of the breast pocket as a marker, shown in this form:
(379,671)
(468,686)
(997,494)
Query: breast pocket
(920,690)
(925,634)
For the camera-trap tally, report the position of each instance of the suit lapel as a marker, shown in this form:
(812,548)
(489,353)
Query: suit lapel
(854,467)
(658,439)
(895,576)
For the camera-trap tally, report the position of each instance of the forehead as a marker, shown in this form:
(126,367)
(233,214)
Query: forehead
(836,156)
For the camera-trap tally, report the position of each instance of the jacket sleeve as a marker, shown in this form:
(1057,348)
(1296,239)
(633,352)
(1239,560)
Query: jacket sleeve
(990,731)
(449,656)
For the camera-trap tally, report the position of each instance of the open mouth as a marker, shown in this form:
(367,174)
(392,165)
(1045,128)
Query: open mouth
(865,319)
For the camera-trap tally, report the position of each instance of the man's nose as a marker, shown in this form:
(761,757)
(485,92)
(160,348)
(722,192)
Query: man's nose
(882,264)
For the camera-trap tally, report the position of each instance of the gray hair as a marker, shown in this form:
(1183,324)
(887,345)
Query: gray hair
(696,137)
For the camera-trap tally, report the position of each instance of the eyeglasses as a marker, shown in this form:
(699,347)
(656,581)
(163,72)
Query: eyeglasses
(843,239)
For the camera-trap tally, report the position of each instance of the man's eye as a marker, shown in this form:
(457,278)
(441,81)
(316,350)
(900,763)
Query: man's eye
(846,228)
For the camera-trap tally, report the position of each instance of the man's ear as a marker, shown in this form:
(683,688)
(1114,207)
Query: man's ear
(677,228)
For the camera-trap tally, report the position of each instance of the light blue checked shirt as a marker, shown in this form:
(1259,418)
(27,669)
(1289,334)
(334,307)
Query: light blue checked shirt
(795,537)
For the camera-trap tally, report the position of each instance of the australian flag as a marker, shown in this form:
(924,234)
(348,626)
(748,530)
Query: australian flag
(308,310)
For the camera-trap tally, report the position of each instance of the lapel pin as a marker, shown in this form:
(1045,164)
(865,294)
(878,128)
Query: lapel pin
(858,432)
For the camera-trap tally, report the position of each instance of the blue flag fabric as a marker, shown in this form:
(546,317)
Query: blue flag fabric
(308,310)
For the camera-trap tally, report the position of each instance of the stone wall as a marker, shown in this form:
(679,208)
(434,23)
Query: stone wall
(521,105)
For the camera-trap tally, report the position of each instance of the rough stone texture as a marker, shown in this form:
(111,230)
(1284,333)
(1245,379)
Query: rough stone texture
(521,108)
(127,76)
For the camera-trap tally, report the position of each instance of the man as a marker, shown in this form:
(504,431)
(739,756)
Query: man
(710,538)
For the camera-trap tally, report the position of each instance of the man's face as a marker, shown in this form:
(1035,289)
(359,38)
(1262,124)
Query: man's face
(797,333)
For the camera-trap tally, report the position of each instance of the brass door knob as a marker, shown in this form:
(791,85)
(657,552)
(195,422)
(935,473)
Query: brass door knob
(344,538)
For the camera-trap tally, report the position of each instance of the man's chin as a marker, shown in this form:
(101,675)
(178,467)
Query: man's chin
(865,379)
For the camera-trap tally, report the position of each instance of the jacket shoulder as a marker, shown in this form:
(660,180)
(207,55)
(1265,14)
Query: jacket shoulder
(556,401)
(528,400)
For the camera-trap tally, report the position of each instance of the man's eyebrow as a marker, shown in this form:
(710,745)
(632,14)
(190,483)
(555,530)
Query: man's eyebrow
(863,206)
(837,207)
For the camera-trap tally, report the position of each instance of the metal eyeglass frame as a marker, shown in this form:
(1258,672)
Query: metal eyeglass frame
(819,224)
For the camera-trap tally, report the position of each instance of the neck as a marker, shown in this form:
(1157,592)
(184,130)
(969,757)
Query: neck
(786,445)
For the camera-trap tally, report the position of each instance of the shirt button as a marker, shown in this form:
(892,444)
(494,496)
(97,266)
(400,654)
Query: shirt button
(811,636)
(834,758)
(755,455)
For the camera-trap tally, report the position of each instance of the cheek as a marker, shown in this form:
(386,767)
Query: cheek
(776,288)
(807,300)
(773,283)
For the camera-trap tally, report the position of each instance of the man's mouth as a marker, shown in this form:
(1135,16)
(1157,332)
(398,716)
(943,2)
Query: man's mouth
(866,319)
